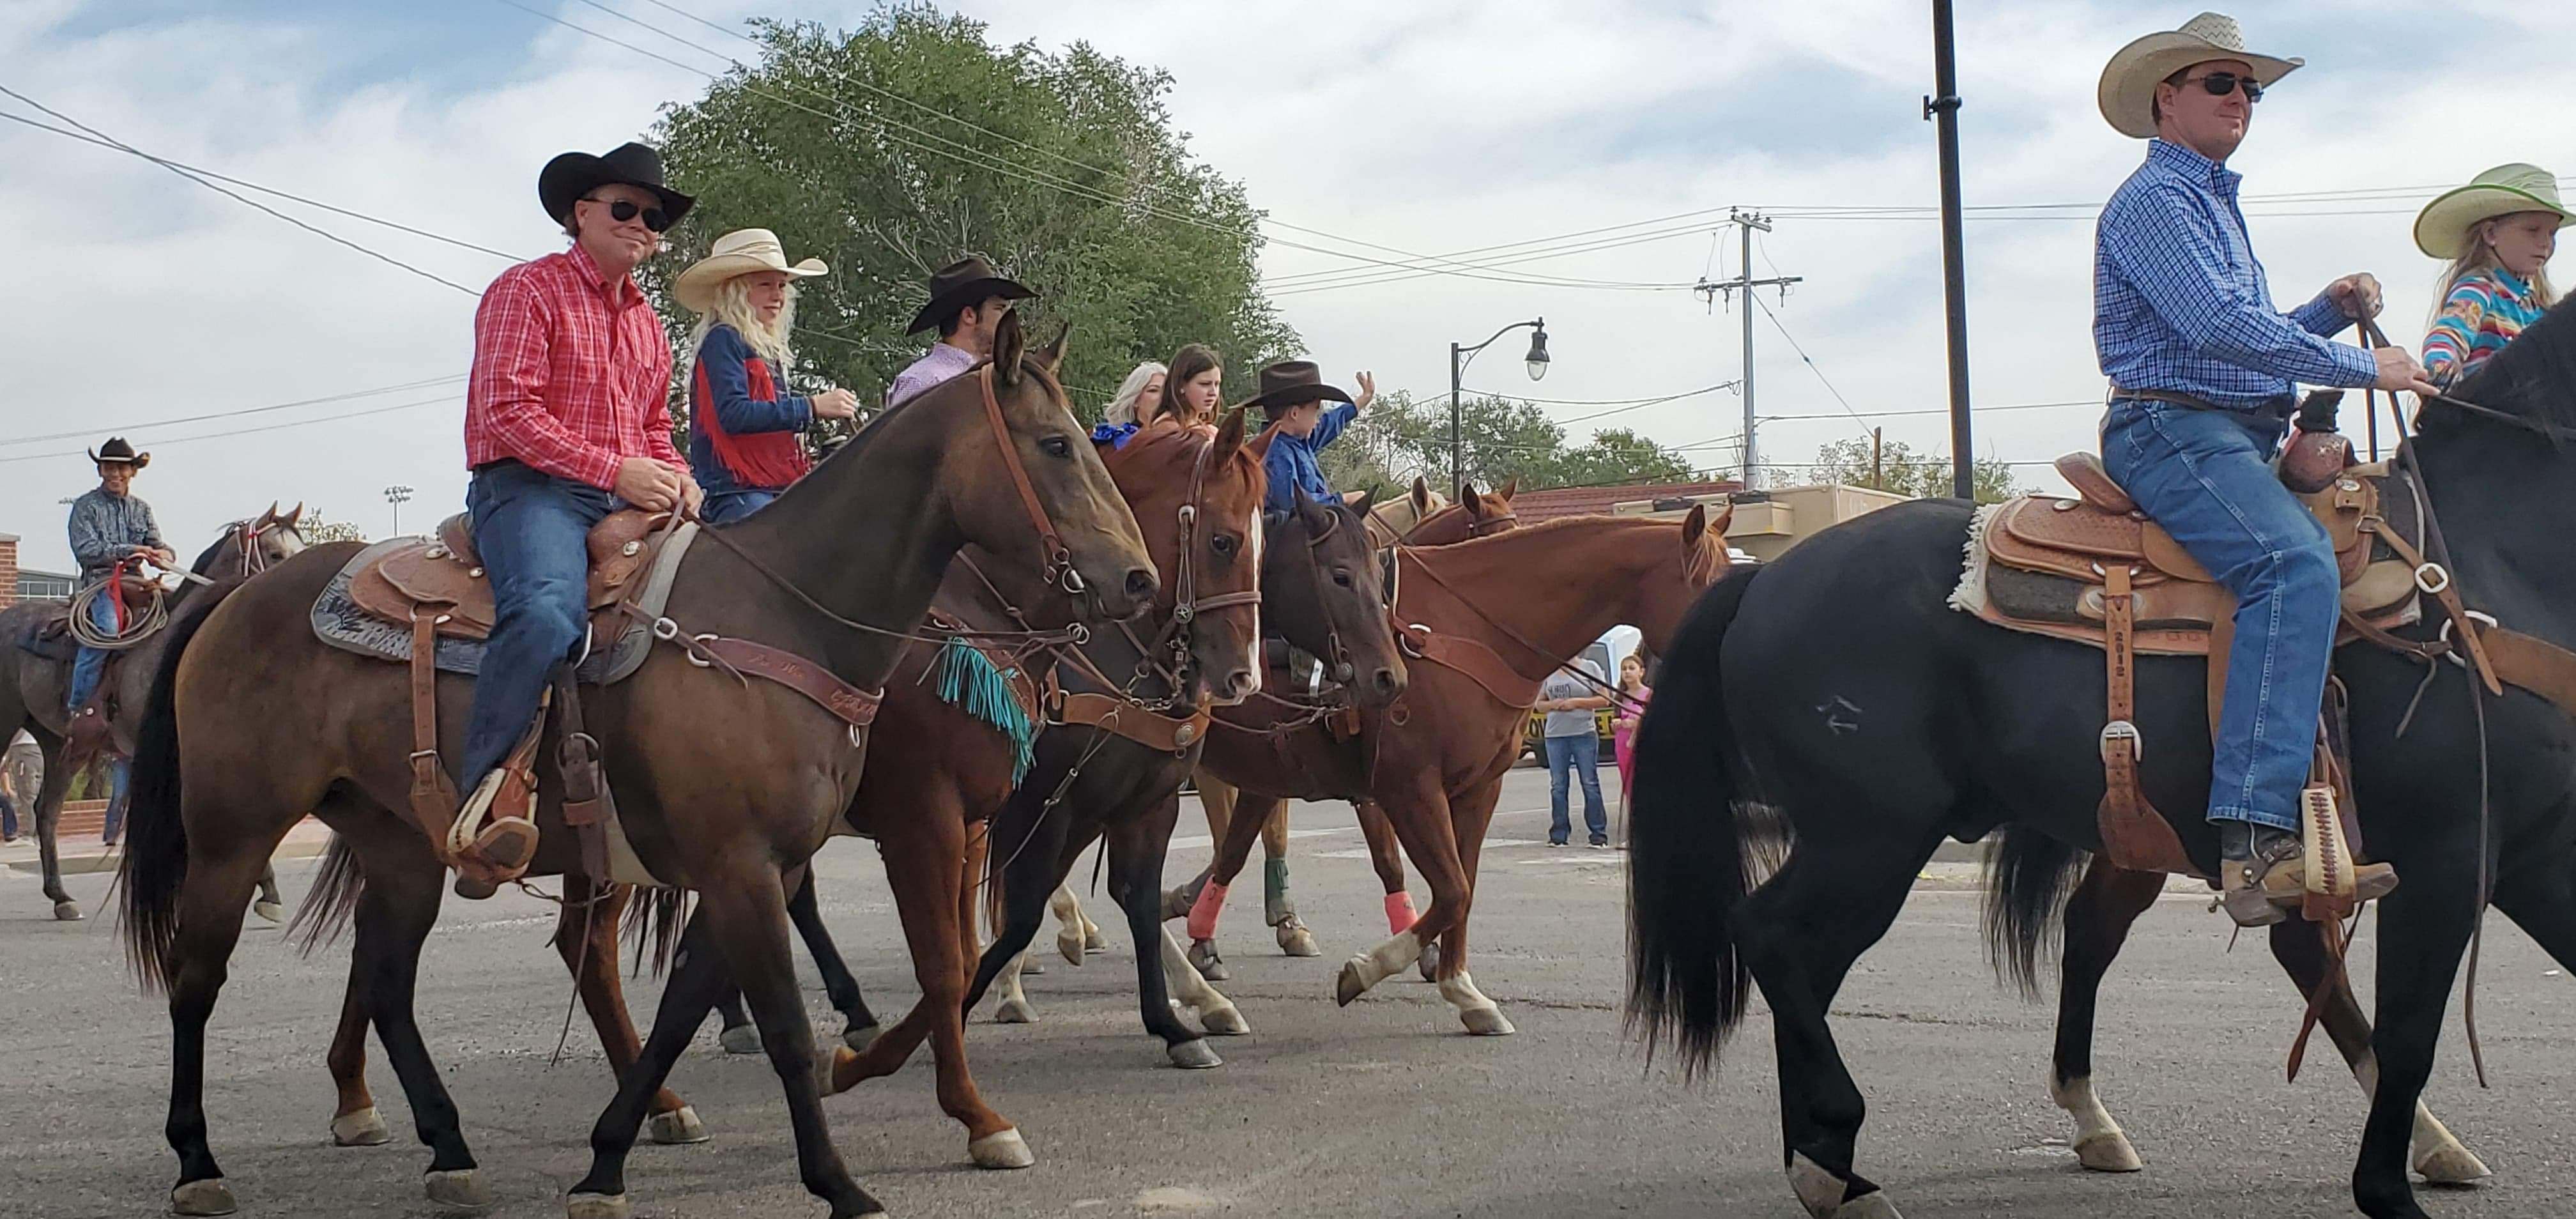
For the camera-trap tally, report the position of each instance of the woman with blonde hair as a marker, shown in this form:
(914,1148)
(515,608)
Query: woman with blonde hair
(1142,389)
(744,447)
(2498,233)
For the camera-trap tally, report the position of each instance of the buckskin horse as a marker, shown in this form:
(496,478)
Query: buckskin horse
(35,677)
(723,784)
(1837,689)
(1482,623)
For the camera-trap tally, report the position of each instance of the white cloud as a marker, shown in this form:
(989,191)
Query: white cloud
(1426,127)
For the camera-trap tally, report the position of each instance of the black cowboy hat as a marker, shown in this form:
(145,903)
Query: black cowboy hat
(1293,383)
(967,281)
(574,174)
(118,453)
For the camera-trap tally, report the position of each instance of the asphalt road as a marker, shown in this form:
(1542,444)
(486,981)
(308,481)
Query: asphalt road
(1380,1109)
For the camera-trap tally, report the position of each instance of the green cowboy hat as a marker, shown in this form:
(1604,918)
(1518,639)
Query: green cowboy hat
(2442,228)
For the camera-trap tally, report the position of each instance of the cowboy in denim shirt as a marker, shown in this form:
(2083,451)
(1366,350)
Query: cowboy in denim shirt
(2204,373)
(109,526)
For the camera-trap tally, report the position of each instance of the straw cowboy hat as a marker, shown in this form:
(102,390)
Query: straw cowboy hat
(740,252)
(116,452)
(967,281)
(1293,383)
(2128,91)
(2442,228)
(568,177)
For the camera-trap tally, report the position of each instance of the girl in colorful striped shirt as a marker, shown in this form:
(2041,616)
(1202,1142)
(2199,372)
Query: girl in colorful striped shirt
(2498,232)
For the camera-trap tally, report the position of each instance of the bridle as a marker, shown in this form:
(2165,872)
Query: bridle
(248,535)
(1178,633)
(1059,568)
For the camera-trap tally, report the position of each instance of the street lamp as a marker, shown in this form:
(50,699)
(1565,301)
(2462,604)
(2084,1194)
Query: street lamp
(397,495)
(1536,362)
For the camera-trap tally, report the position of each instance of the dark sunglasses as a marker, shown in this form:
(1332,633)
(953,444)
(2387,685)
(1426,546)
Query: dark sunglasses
(623,210)
(2220,84)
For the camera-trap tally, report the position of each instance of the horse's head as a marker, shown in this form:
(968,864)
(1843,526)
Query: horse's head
(1320,580)
(1196,495)
(1676,577)
(1042,478)
(249,547)
(1481,514)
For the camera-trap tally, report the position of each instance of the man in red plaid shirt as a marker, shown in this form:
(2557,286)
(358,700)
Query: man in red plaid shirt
(565,422)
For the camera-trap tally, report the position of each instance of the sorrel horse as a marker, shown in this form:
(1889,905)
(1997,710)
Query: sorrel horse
(1935,725)
(724,785)
(1483,623)
(939,767)
(33,685)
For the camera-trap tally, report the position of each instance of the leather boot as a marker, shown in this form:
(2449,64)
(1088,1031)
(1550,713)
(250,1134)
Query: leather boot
(506,797)
(2263,872)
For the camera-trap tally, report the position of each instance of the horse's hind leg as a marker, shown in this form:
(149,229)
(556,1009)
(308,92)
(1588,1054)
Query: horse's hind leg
(394,915)
(2098,917)
(858,1024)
(2424,928)
(1278,909)
(1136,846)
(48,817)
(586,939)
(1386,855)
(220,873)
(271,904)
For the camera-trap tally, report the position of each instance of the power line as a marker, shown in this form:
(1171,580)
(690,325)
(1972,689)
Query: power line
(248,431)
(1943,410)
(1809,360)
(98,429)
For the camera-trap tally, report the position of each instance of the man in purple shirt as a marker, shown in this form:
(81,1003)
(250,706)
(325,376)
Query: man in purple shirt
(967,301)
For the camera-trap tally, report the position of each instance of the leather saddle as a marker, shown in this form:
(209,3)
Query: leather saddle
(442,576)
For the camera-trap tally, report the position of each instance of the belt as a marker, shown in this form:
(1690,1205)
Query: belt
(2280,407)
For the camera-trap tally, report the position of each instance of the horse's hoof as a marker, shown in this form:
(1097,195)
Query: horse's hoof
(740,1039)
(1430,962)
(1203,958)
(678,1128)
(1001,1149)
(1350,984)
(1486,1022)
(456,1187)
(859,1036)
(1091,941)
(1226,1021)
(2108,1152)
(68,911)
(269,910)
(1193,1055)
(2452,1164)
(1872,1205)
(1296,941)
(1068,944)
(827,1070)
(596,1206)
(364,1128)
(208,1197)
(1013,1011)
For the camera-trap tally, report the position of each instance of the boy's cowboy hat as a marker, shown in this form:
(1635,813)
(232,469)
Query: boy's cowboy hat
(967,281)
(568,177)
(1293,383)
(2128,90)
(118,453)
(2442,228)
(740,252)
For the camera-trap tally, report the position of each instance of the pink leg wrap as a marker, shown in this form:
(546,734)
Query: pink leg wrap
(1399,913)
(1203,912)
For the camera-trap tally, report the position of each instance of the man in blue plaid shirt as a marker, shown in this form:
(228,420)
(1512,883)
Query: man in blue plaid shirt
(2204,374)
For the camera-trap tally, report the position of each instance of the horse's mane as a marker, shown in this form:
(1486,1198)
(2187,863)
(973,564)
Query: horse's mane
(1176,447)
(206,560)
(2534,377)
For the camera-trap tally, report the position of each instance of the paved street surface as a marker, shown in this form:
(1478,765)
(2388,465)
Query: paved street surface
(1381,1109)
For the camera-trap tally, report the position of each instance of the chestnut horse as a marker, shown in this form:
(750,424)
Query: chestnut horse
(33,686)
(1510,608)
(724,785)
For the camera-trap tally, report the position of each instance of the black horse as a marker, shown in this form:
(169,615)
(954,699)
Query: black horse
(1833,703)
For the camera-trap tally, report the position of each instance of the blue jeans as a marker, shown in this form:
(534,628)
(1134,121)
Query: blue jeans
(1580,755)
(88,663)
(532,530)
(117,773)
(9,816)
(723,506)
(2205,477)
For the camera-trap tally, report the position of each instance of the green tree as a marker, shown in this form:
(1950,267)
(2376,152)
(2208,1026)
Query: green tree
(855,147)
(1499,440)
(1897,467)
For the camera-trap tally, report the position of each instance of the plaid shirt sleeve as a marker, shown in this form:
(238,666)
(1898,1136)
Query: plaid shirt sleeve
(2162,244)
(657,420)
(505,396)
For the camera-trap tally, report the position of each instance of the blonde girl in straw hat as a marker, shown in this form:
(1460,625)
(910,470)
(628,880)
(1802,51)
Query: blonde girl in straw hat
(743,442)
(2498,233)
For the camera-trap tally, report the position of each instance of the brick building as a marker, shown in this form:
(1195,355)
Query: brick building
(18,584)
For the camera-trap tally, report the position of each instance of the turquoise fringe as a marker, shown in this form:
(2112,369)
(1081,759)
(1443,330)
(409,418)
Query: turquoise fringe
(968,680)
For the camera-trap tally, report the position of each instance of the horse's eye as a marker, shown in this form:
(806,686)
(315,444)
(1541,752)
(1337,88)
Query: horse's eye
(1222,543)
(1342,576)
(1056,446)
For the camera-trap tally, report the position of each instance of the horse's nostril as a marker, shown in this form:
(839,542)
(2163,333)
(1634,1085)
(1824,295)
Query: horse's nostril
(1141,583)
(1386,681)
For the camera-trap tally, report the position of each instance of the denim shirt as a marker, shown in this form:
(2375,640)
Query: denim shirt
(105,528)
(1291,464)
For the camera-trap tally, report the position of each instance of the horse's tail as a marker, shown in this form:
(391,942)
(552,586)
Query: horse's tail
(1690,851)
(2029,876)
(332,899)
(654,919)
(155,865)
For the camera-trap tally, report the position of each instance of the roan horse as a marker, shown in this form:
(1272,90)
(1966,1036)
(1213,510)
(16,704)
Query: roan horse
(935,775)
(724,785)
(1483,623)
(1836,687)
(33,685)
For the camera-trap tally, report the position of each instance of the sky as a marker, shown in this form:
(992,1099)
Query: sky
(145,301)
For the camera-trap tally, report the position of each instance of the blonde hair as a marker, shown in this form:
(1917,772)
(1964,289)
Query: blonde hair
(1122,405)
(2480,256)
(733,308)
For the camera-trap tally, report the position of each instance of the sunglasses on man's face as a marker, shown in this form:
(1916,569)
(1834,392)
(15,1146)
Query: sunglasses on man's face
(2220,84)
(623,210)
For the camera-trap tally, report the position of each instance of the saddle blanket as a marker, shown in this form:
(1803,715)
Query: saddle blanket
(338,621)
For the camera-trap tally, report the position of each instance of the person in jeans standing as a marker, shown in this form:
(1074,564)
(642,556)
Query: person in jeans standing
(1574,745)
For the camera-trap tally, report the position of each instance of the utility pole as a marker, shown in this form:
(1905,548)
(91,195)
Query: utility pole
(1745,223)
(397,495)
(1877,467)
(1944,108)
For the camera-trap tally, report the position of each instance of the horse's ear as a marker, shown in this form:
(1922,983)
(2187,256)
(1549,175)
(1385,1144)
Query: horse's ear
(1051,356)
(1357,501)
(264,519)
(1510,489)
(1259,446)
(1694,529)
(290,518)
(1474,500)
(1229,434)
(1009,344)
(1421,497)
(1725,517)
